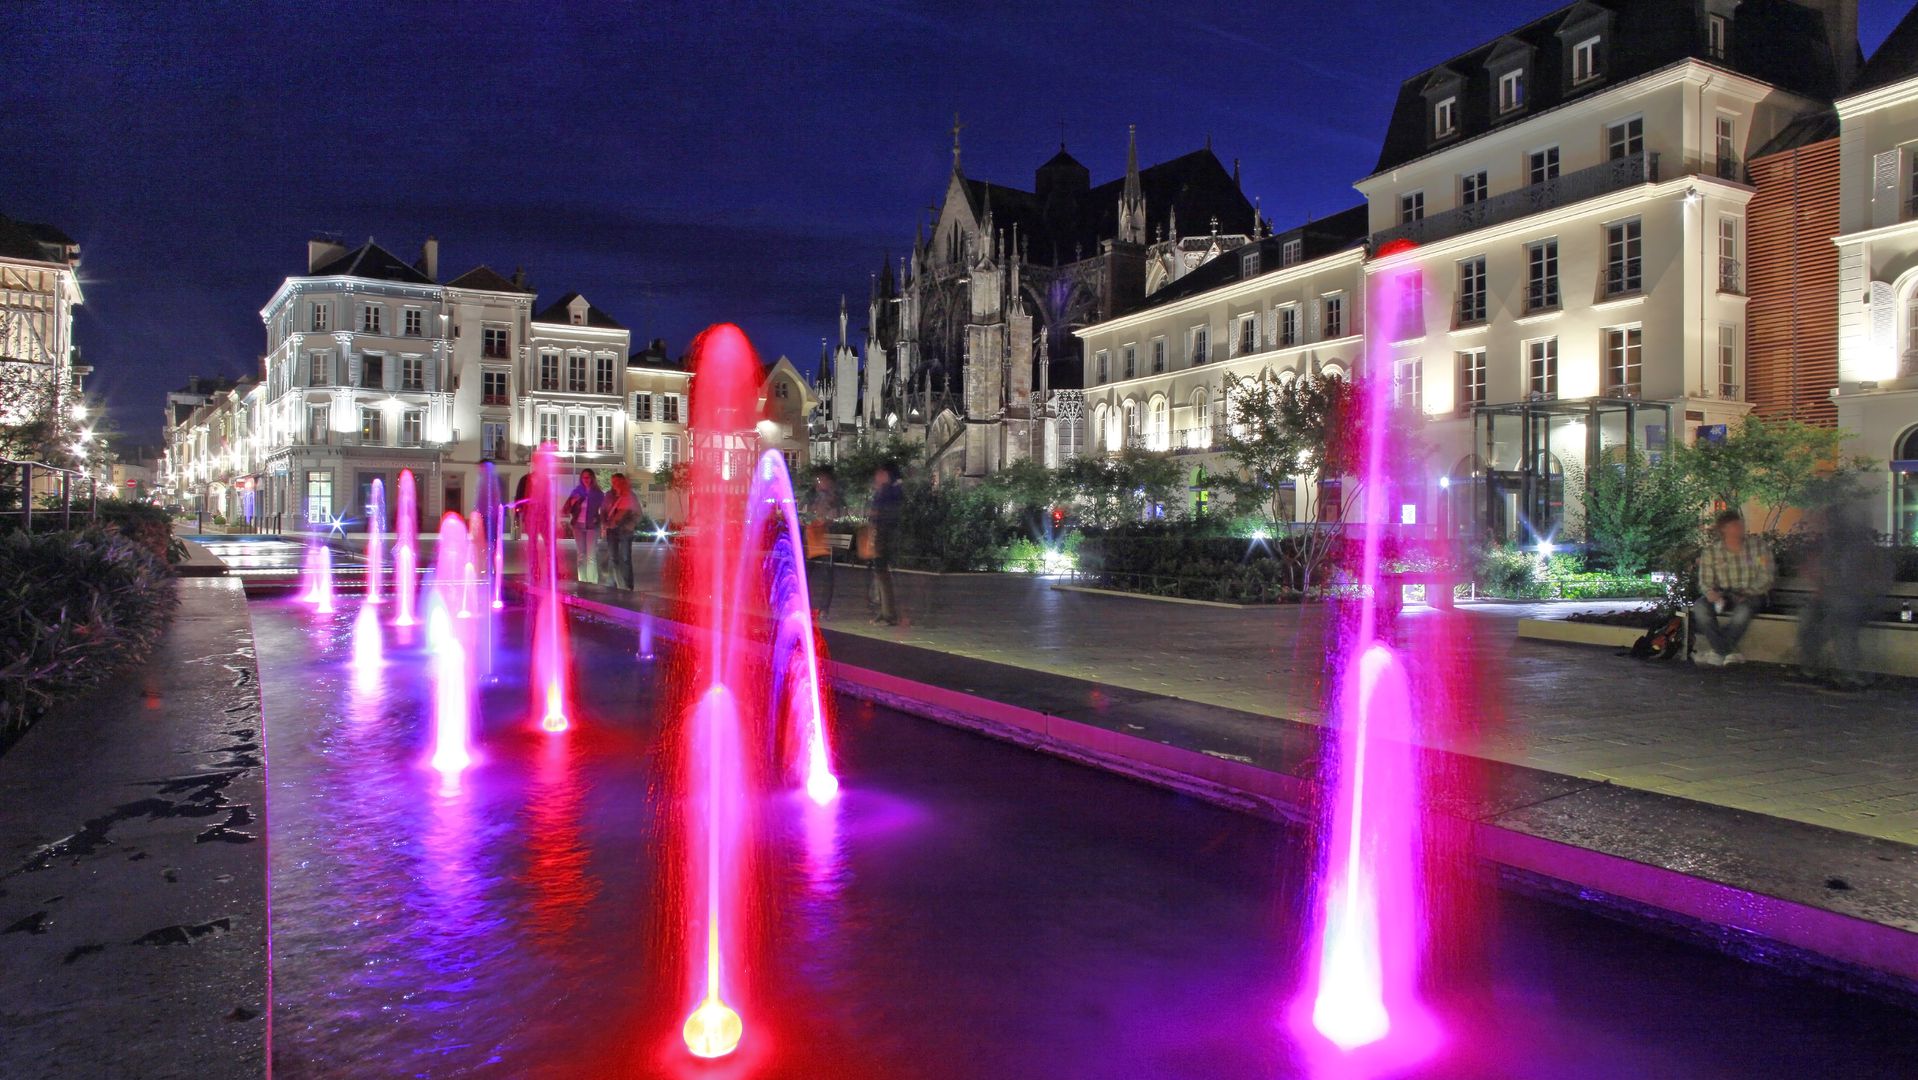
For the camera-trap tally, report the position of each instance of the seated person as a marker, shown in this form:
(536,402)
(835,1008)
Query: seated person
(1735,572)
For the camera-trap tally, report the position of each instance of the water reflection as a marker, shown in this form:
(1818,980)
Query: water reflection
(557,857)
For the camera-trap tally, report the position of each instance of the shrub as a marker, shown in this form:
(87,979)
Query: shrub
(950,528)
(74,609)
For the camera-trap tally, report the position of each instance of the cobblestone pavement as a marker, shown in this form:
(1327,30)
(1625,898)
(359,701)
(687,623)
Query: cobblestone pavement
(1752,738)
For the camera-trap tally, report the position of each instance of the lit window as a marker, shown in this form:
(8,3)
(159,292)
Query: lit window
(369,319)
(1471,377)
(603,432)
(412,373)
(1288,325)
(412,427)
(549,428)
(492,439)
(1408,383)
(1334,316)
(493,388)
(1728,382)
(576,373)
(495,343)
(1471,291)
(1445,118)
(1248,335)
(1585,61)
(322,317)
(1511,91)
(1542,280)
(415,322)
(1624,363)
(372,427)
(1624,258)
(1542,367)
(575,433)
(549,371)
(642,406)
(1730,278)
(668,451)
(1717,37)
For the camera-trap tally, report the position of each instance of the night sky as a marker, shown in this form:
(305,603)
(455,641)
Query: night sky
(679,163)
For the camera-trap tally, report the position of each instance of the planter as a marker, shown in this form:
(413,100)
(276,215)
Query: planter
(1579,633)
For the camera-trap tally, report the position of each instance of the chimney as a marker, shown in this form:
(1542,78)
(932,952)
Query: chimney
(519,277)
(430,259)
(321,250)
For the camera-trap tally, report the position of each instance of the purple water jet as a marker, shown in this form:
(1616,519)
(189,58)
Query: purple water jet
(406,552)
(375,548)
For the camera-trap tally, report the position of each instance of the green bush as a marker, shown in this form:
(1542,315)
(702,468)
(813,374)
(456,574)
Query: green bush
(1028,556)
(951,528)
(148,526)
(1196,560)
(74,609)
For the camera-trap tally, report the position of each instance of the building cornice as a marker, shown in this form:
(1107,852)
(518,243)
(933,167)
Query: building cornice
(1893,231)
(1230,291)
(1898,93)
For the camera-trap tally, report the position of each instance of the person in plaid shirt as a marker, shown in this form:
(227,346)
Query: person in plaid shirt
(1735,572)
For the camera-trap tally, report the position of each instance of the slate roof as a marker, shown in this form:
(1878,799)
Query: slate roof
(1774,41)
(556,312)
(1066,225)
(1896,59)
(485,279)
(33,240)
(1318,238)
(370,260)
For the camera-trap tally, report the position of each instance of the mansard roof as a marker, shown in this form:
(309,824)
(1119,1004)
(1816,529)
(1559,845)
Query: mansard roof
(485,279)
(370,260)
(1774,41)
(34,240)
(1895,61)
(1070,225)
(1317,238)
(557,312)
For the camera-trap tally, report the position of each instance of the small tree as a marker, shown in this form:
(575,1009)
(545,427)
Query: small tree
(1773,462)
(1113,491)
(858,461)
(1638,515)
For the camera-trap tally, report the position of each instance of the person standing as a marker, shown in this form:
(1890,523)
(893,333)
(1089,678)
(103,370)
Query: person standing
(1849,572)
(522,491)
(1735,574)
(823,506)
(882,518)
(620,518)
(582,510)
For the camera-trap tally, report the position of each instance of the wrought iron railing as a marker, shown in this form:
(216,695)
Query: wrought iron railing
(1615,175)
(1731,276)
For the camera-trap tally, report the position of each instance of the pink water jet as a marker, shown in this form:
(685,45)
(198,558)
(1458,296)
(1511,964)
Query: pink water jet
(321,590)
(406,552)
(452,690)
(1363,998)
(368,650)
(375,547)
(552,655)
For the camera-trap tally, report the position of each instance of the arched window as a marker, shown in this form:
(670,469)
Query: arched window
(1161,434)
(1200,436)
(1904,488)
(1131,422)
(1101,437)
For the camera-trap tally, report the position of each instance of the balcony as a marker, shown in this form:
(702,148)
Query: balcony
(1629,171)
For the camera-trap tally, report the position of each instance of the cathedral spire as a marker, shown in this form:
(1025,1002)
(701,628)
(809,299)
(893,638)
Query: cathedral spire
(1132,202)
(842,320)
(956,126)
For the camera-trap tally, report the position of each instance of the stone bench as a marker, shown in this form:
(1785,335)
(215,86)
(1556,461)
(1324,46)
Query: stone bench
(1886,648)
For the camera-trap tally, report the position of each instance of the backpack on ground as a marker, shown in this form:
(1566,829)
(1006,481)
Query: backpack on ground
(1661,642)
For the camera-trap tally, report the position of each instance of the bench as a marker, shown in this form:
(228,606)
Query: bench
(1438,586)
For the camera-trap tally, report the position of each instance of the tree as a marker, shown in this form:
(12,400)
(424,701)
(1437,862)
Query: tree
(856,463)
(1112,491)
(1776,463)
(1638,515)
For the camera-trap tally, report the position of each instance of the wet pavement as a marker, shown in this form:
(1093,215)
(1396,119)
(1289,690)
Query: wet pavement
(132,872)
(968,909)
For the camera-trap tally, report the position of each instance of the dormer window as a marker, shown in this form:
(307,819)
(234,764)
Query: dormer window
(1290,251)
(1585,61)
(1445,118)
(1248,264)
(1717,37)
(1511,91)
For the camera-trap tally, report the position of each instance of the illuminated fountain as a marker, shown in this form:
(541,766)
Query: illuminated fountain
(375,546)
(406,552)
(740,547)
(450,645)
(319,576)
(552,700)
(367,648)
(492,518)
(1362,996)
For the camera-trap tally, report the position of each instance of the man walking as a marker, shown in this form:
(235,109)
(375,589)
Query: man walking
(882,517)
(1735,573)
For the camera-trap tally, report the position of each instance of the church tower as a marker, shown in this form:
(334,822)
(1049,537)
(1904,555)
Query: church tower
(845,377)
(1132,202)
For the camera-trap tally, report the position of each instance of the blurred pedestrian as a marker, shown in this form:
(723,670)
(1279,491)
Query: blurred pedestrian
(882,539)
(581,510)
(1848,572)
(620,517)
(1735,573)
(522,491)
(823,506)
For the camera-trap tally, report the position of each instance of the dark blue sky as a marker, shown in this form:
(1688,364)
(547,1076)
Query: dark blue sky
(680,163)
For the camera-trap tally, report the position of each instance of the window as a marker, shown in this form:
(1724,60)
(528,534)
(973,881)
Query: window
(1471,291)
(575,433)
(1624,361)
(372,427)
(494,343)
(319,497)
(549,371)
(1585,61)
(1408,383)
(603,377)
(668,451)
(1290,251)
(1249,264)
(603,432)
(1201,418)
(1511,91)
(1543,165)
(1716,37)
(1730,277)
(322,319)
(1445,118)
(1472,188)
(493,386)
(1130,361)
(492,439)
(412,427)
(1201,342)
(1725,146)
(576,373)
(1161,425)
(1471,377)
(782,389)
(412,373)
(373,371)
(1158,356)
(1288,325)
(643,451)
(1541,293)
(1728,362)
(1541,367)
(1624,258)
(1625,138)
(1248,335)
(415,325)
(1131,422)
(370,318)
(316,365)
(549,427)
(1334,316)
(669,408)
(1103,363)
(316,423)
(1411,207)
(642,406)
